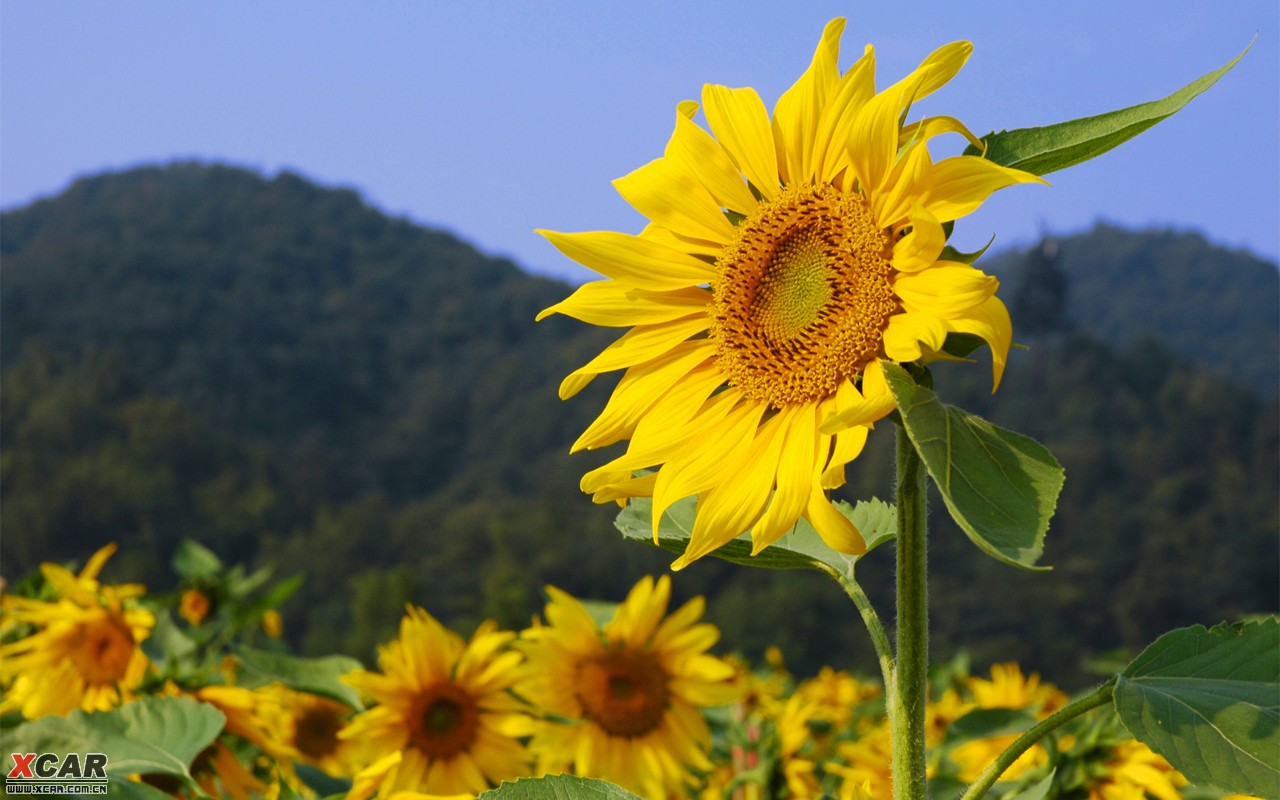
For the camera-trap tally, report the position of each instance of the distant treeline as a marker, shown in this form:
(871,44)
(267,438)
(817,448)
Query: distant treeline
(293,378)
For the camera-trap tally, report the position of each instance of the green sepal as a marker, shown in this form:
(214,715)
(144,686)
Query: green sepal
(1053,147)
(801,548)
(1001,487)
(1208,701)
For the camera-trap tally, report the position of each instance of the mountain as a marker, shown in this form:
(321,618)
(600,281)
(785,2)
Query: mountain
(295,379)
(1214,307)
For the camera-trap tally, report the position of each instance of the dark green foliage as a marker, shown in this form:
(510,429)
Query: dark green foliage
(292,378)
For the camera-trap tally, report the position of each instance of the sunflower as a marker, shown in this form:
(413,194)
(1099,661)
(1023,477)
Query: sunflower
(785,260)
(1007,688)
(313,728)
(85,650)
(631,691)
(444,715)
(1133,772)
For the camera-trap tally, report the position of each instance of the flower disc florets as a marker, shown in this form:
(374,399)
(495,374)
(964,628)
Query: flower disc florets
(802,297)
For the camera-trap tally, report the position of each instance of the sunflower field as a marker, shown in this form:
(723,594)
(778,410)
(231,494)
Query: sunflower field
(193,695)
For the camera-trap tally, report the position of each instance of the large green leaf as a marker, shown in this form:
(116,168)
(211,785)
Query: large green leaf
(1000,487)
(1054,147)
(558,787)
(193,560)
(150,736)
(314,675)
(801,548)
(1208,700)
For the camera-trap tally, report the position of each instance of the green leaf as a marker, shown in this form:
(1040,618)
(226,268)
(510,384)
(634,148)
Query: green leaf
(801,548)
(558,787)
(1054,147)
(984,723)
(153,735)
(193,560)
(314,675)
(1208,700)
(1000,487)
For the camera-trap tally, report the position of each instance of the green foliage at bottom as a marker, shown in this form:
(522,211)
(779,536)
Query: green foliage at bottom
(558,787)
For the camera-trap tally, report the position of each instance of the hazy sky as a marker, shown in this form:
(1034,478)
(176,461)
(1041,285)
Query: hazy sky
(492,119)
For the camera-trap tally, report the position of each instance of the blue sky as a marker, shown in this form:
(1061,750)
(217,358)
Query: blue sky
(491,119)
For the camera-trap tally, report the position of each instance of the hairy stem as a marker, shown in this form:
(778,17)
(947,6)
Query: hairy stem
(908,691)
(879,639)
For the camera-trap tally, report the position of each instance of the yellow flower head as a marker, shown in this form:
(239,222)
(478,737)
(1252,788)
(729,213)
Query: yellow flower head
(1134,772)
(1009,689)
(85,652)
(194,606)
(786,257)
(632,689)
(445,719)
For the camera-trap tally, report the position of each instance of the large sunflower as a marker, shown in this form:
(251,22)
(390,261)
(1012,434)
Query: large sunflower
(631,691)
(785,259)
(84,652)
(444,715)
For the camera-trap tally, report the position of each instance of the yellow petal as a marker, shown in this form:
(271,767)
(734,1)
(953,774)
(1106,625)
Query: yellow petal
(848,446)
(709,463)
(911,334)
(990,321)
(797,112)
(613,304)
(957,186)
(699,153)
(873,141)
(795,477)
(930,127)
(921,247)
(669,195)
(938,67)
(733,505)
(835,528)
(685,244)
(636,346)
(642,263)
(638,390)
(741,124)
(835,125)
(947,290)
(896,202)
(655,442)
(860,407)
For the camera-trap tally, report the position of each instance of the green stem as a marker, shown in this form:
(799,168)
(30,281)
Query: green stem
(1098,697)
(879,639)
(908,691)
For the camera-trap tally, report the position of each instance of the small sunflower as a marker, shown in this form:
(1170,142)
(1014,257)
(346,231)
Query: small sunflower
(444,712)
(786,258)
(85,652)
(194,606)
(1133,772)
(1007,688)
(631,691)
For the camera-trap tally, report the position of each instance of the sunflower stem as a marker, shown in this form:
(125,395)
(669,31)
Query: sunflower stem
(1098,697)
(879,639)
(908,692)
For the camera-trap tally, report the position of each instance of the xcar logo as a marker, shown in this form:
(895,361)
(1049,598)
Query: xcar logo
(49,773)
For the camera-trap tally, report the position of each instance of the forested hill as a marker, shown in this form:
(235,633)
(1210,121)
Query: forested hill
(291,377)
(1217,308)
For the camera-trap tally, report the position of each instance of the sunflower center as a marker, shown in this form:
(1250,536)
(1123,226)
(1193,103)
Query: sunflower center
(803,296)
(445,721)
(624,691)
(103,651)
(316,731)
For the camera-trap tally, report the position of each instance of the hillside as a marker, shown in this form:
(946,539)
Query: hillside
(290,376)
